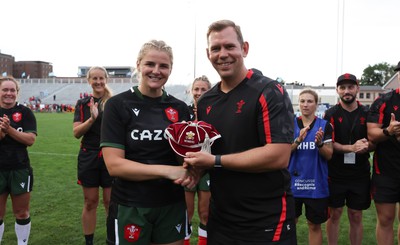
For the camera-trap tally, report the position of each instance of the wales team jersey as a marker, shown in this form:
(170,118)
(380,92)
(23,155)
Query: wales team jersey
(348,128)
(136,123)
(387,153)
(255,206)
(13,154)
(91,139)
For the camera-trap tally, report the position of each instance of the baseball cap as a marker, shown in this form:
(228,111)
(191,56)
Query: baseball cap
(397,68)
(346,78)
(191,136)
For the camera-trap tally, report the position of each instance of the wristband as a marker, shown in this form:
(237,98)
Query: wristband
(217,163)
(296,141)
(321,145)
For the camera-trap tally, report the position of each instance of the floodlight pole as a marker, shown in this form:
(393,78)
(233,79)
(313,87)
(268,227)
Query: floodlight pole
(340,38)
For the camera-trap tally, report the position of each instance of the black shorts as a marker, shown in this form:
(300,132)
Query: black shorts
(92,171)
(217,238)
(385,189)
(354,194)
(276,224)
(316,209)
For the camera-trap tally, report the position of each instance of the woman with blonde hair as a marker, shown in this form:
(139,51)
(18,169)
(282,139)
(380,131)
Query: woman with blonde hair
(92,172)
(200,85)
(147,203)
(18,130)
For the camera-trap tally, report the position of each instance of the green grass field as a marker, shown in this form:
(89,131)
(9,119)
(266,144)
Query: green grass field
(57,200)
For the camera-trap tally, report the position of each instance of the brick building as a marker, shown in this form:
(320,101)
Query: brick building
(24,69)
(6,64)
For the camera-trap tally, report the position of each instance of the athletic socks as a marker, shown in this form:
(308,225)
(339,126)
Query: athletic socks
(202,231)
(1,230)
(22,230)
(187,238)
(89,239)
(202,240)
(186,242)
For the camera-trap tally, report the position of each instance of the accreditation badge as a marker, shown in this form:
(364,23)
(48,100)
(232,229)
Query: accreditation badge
(350,158)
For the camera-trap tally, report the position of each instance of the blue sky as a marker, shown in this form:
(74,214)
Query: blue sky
(308,41)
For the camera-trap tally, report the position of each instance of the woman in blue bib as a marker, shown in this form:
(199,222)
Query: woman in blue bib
(308,166)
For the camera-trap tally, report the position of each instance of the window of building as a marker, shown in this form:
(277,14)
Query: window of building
(361,95)
(368,95)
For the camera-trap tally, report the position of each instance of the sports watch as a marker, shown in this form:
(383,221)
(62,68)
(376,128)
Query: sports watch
(386,132)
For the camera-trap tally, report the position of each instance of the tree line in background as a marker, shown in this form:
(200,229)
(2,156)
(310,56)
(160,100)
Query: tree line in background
(377,74)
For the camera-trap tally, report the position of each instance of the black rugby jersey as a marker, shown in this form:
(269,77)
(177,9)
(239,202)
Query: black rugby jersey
(387,153)
(253,205)
(13,154)
(91,139)
(136,123)
(348,128)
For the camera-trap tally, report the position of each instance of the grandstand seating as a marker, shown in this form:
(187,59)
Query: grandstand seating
(67,91)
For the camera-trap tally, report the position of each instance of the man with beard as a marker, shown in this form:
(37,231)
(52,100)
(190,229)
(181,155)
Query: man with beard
(349,168)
